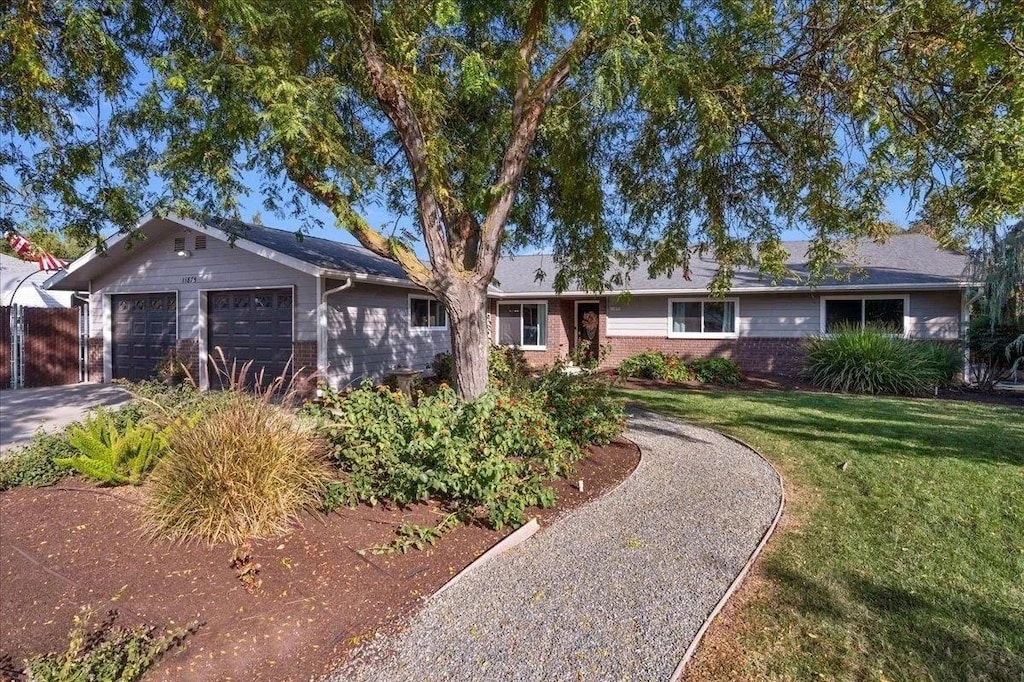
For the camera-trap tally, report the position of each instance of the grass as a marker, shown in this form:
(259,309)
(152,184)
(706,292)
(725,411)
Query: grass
(907,563)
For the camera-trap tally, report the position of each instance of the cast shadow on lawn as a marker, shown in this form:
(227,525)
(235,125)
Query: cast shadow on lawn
(861,423)
(924,633)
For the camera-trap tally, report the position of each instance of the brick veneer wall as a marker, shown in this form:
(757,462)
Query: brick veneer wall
(94,359)
(188,355)
(304,358)
(754,354)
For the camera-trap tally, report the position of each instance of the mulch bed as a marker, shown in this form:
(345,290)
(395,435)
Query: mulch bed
(72,545)
(777,383)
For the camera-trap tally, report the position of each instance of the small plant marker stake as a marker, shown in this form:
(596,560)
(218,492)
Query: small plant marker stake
(581,485)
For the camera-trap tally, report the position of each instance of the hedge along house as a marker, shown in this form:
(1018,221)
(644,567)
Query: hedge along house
(908,283)
(256,293)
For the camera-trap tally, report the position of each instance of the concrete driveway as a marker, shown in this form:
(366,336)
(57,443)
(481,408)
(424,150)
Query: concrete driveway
(26,410)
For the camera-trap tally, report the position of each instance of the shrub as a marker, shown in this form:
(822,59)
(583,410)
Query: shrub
(648,365)
(492,454)
(721,371)
(992,348)
(36,463)
(945,362)
(443,367)
(108,653)
(243,469)
(873,360)
(507,368)
(582,407)
(112,455)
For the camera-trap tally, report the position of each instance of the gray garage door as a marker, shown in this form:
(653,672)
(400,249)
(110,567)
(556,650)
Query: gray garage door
(144,330)
(252,325)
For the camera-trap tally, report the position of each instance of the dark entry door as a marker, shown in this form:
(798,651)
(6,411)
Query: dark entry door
(588,325)
(254,324)
(145,330)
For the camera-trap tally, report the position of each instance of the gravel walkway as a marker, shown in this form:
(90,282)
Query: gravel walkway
(614,591)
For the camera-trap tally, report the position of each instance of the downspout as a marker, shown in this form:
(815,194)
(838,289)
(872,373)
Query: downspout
(321,331)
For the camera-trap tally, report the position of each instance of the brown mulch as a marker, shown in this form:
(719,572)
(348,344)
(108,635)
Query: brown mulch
(779,383)
(72,545)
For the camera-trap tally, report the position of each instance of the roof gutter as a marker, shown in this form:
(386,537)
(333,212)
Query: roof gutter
(321,327)
(929,286)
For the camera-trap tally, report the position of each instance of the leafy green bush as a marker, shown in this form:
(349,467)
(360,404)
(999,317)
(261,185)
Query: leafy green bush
(443,367)
(108,653)
(992,348)
(663,367)
(36,463)
(945,361)
(507,368)
(873,360)
(647,365)
(112,455)
(582,407)
(242,469)
(493,453)
(721,371)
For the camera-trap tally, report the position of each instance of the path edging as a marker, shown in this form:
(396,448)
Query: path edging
(529,529)
(734,586)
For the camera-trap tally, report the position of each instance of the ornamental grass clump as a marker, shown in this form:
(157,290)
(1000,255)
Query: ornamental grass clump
(877,360)
(242,468)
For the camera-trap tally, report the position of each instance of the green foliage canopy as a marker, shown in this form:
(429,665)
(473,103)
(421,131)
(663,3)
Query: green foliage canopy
(661,127)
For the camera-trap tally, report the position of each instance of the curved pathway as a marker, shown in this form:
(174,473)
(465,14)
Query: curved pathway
(617,590)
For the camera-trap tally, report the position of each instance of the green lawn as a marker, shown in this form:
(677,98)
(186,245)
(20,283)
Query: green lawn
(908,564)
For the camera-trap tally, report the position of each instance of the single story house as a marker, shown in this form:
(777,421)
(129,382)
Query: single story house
(260,293)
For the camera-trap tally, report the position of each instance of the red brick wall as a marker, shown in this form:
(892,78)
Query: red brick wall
(95,359)
(188,355)
(754,355)
(304,358)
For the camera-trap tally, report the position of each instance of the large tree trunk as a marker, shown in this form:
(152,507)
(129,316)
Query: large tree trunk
(467,314)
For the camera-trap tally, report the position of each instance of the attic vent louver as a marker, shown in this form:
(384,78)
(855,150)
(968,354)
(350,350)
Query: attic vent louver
(179,244)
(200,242)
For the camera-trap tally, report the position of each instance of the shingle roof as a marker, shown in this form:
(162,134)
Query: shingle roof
(317,251)
(907,259)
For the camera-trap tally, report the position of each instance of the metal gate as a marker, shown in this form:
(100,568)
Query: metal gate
(43,346)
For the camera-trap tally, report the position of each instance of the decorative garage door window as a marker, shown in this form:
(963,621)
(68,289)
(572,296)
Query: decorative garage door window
(857,313)
(251,325)
(144,330)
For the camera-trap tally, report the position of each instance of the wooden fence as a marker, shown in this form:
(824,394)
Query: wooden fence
(41,346)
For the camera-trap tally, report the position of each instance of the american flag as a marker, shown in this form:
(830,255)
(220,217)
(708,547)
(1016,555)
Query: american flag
(25,249)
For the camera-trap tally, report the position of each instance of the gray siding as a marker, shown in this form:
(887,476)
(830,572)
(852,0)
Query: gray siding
(368,334)
(935,315)
(153,265)
(932,315)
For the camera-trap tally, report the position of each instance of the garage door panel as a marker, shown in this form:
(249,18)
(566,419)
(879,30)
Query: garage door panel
(252,325)
(144,331)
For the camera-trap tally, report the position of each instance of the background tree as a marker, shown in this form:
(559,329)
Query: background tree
(614,131)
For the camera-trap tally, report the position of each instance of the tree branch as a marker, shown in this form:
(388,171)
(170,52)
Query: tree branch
(513,162)
(527,47)
(370,238)
(399,110)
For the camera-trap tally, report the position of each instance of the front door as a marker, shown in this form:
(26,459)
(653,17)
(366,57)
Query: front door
(588,325)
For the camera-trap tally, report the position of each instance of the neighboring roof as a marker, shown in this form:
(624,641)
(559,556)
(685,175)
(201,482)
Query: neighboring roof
(13,270)
(316,251)
(26,279)
(905,261)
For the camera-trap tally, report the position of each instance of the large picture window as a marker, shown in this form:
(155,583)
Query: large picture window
(426,313)
(857,313)
(702,318)
(523,325)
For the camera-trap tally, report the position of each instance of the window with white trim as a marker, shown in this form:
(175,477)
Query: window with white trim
(702,317)
(523,324)
(427,313)
(882,312)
